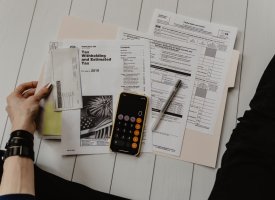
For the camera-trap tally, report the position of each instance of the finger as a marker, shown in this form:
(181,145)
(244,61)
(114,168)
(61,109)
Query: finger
(25,86)
(28,93)
(43,92)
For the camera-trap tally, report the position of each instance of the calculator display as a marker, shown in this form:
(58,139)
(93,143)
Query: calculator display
(129,123)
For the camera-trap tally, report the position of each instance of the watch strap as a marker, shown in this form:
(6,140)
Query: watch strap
(22,151)
(23,134)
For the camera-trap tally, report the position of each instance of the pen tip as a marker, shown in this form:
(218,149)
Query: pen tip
(178,83)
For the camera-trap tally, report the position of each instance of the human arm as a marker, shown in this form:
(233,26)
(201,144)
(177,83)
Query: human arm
(247,170)
(22,108)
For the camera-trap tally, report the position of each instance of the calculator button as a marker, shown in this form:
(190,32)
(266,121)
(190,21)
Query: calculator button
(129,138)
(130,131)
(125,124)
(119,123)
(139,120)
(116,135)
(119,142)
(136,132)
(133,119)
(117,129)
(120,116)
(126,118)
(131,125)
(139,113)
(137,126)
(124,130)
(128,144)
(134,145)
(135,139)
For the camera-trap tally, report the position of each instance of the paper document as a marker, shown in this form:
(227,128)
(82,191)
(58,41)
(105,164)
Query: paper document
(66,78)
(217,42)
(49,125)
(136,78)
(105,70)
(169,62)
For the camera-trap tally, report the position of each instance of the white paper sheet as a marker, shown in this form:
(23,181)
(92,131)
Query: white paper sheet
(136,78)
(66,78)
(169,62)
(217,42)
(105,70)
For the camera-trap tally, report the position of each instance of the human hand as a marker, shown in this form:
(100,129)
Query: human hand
(23,105)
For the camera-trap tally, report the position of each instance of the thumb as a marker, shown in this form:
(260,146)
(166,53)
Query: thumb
(43,92)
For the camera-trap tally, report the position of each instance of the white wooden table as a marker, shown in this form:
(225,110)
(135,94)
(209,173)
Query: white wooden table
(27,26)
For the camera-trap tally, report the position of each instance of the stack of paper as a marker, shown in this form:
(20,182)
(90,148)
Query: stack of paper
(175,47)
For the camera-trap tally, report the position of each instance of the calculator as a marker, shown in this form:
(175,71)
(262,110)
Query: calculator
(129,123)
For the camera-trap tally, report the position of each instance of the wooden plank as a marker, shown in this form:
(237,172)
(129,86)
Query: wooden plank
(46,20)
(51,160)
(88,9)
(234,15)
(15,20)
(133,175)
(237,20)
(95,171)
(126,183)
(200,9)
(124,13)
(259,48)
(147,10)
(172,179)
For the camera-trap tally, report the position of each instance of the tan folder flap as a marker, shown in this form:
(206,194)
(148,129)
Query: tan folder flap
(77,28)
(233,68)
(201,148)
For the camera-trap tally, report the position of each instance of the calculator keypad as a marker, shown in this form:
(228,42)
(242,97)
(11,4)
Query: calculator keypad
(127,131)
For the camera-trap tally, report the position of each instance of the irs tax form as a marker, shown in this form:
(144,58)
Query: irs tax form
(169,62)
(107,68)
(217,42)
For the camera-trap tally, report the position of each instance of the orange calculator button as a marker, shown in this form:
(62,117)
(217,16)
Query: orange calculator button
(136,132)
(134,145)
(137,126)
(135,139)
(139,120)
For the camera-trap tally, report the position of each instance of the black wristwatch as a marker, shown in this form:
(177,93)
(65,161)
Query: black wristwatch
(20,144)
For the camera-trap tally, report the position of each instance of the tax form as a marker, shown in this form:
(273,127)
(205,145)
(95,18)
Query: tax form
(107,68)
(136,78)
(169,62)
(217,42)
